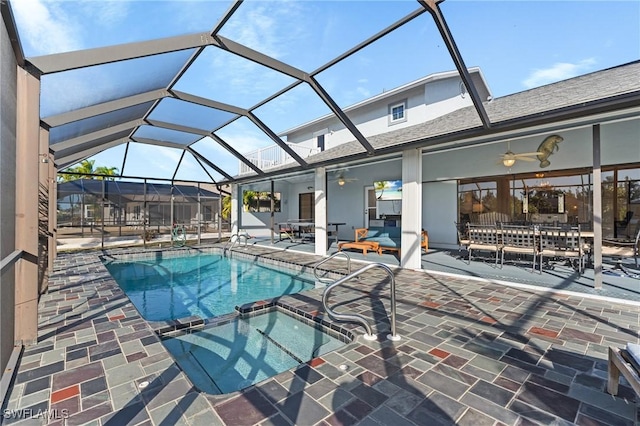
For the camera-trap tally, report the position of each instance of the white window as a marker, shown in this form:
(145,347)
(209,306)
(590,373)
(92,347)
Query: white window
(397,112)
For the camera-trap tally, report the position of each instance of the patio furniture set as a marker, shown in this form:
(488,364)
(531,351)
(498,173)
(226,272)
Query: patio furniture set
(538,241)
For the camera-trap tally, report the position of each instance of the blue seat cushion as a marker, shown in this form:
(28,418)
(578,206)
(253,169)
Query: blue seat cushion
(384,241)
(387,236)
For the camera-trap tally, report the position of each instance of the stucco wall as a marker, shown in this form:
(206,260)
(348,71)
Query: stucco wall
(424,103)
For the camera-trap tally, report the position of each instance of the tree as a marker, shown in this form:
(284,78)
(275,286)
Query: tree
(379,187)
(226,207)
(85,170)
(106,171)
(249,200)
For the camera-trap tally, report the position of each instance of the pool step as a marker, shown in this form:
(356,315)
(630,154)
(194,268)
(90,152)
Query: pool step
(282,348)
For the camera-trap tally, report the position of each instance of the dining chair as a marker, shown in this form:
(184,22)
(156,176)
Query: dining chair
(483,238)
(519,239)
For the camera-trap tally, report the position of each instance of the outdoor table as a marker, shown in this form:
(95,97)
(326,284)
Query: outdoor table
(334,233)
(292,227)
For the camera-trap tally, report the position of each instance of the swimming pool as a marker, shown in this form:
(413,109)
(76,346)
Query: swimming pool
(204,285)
(245,351)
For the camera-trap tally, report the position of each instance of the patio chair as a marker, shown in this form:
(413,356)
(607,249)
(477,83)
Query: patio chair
(463,239)
(623,226)
(483,238)
(623,249)
(623,361)
(562,242)
(519,239)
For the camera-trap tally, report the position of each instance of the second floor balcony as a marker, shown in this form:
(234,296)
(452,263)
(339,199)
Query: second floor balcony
(273,156)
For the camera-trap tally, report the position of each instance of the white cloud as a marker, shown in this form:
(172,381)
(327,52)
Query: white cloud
(558,71)
(105,13)
(45,27)
(267,28)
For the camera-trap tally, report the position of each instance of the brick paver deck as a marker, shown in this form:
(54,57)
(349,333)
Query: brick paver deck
(471,353)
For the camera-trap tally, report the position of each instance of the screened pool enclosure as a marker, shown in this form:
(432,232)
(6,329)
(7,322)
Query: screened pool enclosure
(90,207)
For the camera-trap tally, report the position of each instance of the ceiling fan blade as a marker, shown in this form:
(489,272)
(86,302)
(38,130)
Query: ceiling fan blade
(530,153)
(525,158)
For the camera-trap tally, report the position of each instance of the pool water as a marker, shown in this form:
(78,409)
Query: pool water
(205,285)
(238,354)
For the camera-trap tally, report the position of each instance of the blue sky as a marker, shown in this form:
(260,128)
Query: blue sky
(517,44)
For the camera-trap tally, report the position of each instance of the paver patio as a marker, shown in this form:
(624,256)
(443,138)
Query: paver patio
(471,353)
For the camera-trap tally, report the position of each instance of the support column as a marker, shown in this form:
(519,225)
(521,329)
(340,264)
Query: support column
(272,213)
(503,195)
(219,224)
(235,210)
(200,215)
(144,214)
(27,149)
(321,211)
(411,255)
(53,213)
(597,209)
(44,195)
(102,213)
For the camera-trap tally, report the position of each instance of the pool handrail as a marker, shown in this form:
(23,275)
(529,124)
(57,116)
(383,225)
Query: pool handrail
(231,242)
(328,280)
(357,317)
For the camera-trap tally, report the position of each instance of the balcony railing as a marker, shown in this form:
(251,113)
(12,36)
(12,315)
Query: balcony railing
(273,156)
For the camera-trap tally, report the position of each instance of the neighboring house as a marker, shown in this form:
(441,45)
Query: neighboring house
(413,103)
(132,203)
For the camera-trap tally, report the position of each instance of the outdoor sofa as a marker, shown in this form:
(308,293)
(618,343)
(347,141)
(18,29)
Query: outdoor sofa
(388,237)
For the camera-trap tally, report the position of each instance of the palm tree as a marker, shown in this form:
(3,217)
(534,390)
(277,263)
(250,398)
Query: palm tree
(226,207)
(107,173)
(379,186)
(85,170)
(248,200)
(77,172)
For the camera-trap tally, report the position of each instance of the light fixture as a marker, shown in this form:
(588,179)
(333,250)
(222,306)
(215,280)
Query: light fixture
(539,175)
(341,181)
(509,159)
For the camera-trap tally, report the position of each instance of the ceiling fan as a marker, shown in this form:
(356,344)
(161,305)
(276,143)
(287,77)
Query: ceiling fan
(509,158)
(341,179)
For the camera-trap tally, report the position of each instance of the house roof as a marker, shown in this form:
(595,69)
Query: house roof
(117,191)
(614,90)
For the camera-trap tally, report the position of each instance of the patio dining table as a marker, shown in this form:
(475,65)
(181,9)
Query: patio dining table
(294,230)
(295,226)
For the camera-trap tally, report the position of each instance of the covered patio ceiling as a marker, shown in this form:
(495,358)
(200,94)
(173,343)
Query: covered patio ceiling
(162,92)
